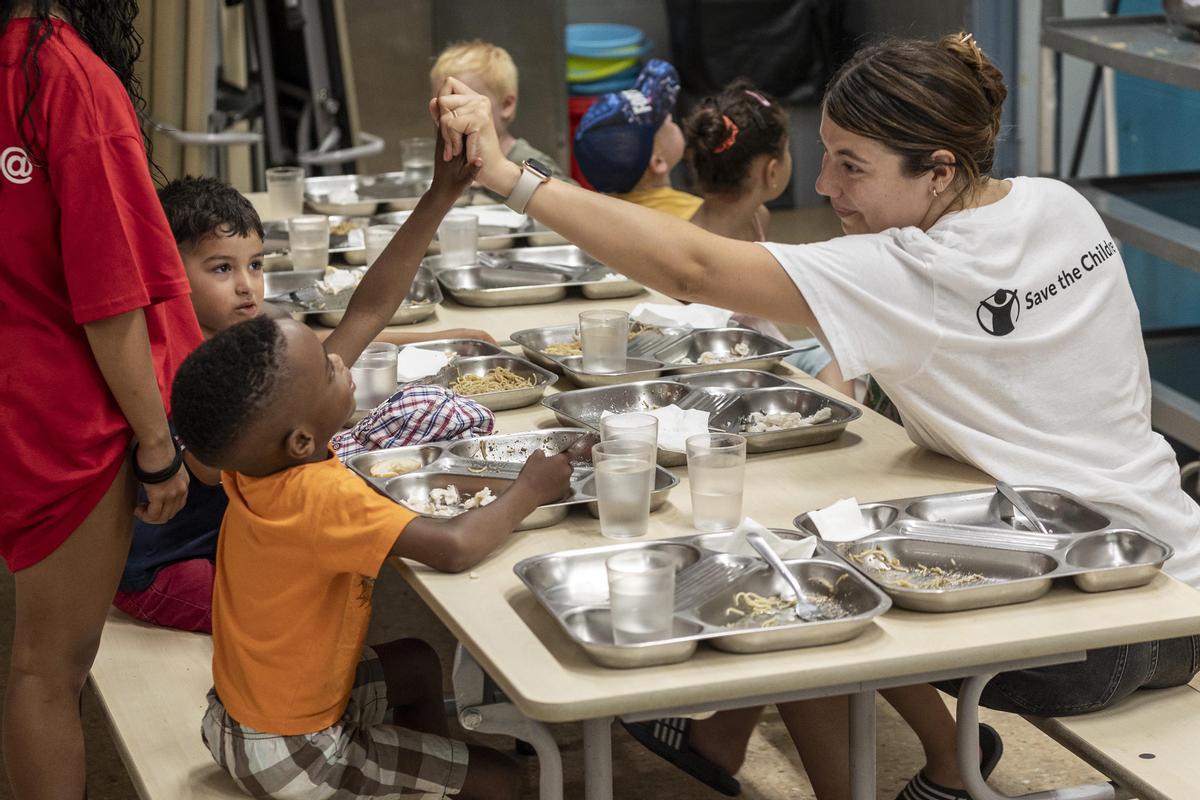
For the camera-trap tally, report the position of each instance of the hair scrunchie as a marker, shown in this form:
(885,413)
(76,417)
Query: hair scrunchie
(731,137)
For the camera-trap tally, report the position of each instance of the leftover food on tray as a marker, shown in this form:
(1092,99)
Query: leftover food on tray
(764,422)
(343,228)
(496,379)
(393,467)
(449,502)
(336,281)
(922,576)
(574,348)
(751,610)
(740,350)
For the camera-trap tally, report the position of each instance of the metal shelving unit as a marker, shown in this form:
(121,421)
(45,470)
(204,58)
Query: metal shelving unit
(1157,213)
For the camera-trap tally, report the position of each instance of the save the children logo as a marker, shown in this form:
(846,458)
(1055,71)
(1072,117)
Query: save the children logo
(16,165)
(998,312)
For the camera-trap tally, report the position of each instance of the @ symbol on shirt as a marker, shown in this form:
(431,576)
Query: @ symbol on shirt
(997,313)
(16,165)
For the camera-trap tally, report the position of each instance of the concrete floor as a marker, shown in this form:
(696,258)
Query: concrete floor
(1031,762)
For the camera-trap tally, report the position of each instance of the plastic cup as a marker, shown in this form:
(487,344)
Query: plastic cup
(641,592)
(374,375)
(716,473)
(285,192)
(416,157)
(604,339)
(458,236)
(308,241)
(376,239)
(632,426)
(624,472)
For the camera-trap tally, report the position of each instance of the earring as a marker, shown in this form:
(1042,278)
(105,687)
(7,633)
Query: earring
(935,192)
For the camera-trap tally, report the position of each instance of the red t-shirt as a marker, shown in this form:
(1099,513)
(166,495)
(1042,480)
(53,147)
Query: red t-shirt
(85,238)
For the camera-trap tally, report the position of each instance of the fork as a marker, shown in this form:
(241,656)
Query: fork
(803,605)
(648,342)
(698,582)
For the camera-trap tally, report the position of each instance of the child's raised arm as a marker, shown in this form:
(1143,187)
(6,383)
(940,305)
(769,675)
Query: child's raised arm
(454,545)
(387,282)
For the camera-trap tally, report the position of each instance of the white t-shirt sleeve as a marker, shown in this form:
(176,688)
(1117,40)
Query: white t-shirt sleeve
(873,297)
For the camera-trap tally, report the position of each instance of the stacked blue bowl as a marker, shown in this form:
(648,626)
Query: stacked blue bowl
(603,57)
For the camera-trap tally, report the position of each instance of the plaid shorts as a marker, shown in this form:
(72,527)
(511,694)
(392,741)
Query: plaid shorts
(358,756)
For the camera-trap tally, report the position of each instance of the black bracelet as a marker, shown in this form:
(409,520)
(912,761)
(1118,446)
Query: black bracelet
(162,475)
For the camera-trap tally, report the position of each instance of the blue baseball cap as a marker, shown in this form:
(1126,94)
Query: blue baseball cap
(615,138)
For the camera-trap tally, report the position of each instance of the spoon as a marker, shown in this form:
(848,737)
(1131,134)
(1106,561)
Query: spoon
(1019,505)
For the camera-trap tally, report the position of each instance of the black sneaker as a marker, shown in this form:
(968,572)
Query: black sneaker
(668,739)
(922,788)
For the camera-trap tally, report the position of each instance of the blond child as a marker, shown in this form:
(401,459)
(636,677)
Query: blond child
(489,70)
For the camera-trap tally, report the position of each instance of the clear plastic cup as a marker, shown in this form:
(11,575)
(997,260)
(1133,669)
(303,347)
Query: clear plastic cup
(285,192)
(308,241)
(416,157)
(641,593)
(374,375)
(458,237)
(376,239)
(716,473)
(624,474)
(631,426)
(604,339)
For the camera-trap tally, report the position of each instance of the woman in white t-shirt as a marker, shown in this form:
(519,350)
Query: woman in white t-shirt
(996,314)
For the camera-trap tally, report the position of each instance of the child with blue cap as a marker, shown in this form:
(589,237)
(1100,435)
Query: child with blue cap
(627,143)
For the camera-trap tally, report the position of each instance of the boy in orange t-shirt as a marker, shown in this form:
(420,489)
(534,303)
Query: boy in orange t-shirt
(298,704)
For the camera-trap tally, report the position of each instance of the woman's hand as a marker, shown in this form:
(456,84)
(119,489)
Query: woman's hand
(465,121)
(163,500)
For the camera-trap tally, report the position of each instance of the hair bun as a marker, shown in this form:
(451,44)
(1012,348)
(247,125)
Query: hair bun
(705,127)
(963,46)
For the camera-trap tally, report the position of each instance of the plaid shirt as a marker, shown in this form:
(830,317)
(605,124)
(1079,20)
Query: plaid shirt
(414,415)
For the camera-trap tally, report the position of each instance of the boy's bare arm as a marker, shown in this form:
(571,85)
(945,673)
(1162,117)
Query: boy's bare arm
(387,282)
(457,544)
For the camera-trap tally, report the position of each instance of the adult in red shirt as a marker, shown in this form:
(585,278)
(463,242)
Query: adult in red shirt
(95,319)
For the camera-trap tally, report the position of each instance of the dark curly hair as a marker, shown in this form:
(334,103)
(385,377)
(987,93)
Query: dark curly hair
(106,26)
(727,131)
(225,385)
(198,208)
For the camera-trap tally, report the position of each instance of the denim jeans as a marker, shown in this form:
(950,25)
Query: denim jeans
(1105,678)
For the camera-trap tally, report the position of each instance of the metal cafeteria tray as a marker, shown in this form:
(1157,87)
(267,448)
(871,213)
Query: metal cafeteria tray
(994,560)
(276,236)
(531,275)
(636,369)
(534,341)
(573,586)
(359,195)
(491,237)
(504,399)
(292,290)
(729,405)
(735,416)
(736,379)
(496,459)
(764,352)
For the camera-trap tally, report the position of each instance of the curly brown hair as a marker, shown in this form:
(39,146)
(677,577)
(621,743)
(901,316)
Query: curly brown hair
(106,26)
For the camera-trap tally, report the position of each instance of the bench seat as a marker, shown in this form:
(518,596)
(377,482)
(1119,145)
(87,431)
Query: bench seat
(152,684)
(1148,744)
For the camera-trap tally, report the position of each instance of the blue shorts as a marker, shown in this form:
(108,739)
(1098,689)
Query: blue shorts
(1105,678)
(811,361)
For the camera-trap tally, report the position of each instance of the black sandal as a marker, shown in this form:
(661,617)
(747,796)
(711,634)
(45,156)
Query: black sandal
(669,739)
(922,788)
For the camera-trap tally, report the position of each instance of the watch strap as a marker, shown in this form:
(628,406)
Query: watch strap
(527,184)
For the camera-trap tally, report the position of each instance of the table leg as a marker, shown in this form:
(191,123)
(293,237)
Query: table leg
(968,756)
(597,759)
(862,745)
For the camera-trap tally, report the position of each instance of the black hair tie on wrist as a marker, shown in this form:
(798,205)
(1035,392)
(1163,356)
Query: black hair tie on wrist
(162,475)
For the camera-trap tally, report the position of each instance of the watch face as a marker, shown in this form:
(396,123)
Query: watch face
(538,167)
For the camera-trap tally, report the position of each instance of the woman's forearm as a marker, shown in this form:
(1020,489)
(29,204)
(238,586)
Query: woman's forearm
(121,347)
(670,255)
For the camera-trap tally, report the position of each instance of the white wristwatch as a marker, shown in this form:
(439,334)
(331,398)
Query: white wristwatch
(533,174)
